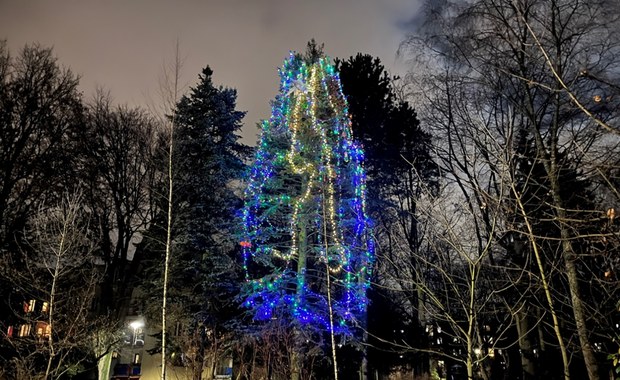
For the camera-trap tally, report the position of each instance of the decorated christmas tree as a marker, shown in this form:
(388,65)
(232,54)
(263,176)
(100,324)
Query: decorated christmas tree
(307,246)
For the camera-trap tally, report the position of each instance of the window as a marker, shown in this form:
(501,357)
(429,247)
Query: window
(44,307)
(9,332)
(29,306)
(24,330)
(224,367)
(136,359)
(44,329)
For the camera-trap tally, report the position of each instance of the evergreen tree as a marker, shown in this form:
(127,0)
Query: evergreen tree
(208,161)
(209,157)
(395,146)
(399,168)
(308,253)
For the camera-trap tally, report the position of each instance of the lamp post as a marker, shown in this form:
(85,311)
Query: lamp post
(135,325)
(134,367)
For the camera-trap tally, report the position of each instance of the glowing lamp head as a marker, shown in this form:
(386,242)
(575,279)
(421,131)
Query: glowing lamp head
(136,324)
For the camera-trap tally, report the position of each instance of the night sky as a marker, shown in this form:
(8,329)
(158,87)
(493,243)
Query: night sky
(121,45)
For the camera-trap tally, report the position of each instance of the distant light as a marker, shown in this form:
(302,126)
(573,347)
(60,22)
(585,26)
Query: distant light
(136,324)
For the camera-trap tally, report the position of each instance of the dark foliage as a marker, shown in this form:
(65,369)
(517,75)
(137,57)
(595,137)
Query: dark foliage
(208,160)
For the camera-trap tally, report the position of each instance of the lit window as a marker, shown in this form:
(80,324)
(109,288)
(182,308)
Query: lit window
(136,359)
(29,306)
(44,329)
(44,307)
(9,332)
(24,330)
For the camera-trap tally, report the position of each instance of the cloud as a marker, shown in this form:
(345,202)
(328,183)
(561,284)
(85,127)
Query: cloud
(121,45)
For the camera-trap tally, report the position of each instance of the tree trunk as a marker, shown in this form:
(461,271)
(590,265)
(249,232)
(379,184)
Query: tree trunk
(525,345)
(543,276)
(569,256)
(296,356)
(578,312)
(52,307)
(470,360)
(199,360)
(177,68)
(166,263)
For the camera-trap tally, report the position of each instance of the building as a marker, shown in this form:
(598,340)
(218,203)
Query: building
(139,354)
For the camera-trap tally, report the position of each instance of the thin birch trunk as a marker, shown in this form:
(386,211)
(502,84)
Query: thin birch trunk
(177,67)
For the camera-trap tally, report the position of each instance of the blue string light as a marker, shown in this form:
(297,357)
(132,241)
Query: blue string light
(305,211)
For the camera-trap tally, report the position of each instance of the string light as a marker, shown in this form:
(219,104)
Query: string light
(305,204)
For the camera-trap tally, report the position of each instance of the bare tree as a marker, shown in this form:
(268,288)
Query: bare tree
(160,236)
(55,279)
(268,353)
(540,76)
(40,125)
(119,174)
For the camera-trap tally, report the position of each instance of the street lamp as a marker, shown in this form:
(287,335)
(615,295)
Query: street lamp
(135,325)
